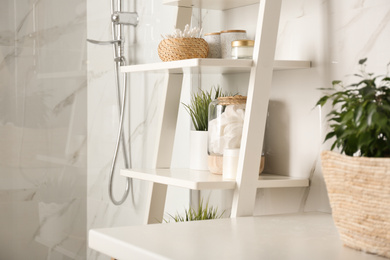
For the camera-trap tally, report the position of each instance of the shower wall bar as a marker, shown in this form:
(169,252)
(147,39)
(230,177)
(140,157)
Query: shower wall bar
(126,18)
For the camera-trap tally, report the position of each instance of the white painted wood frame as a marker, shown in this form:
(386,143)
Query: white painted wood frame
(164,146)
(260,82)
(166,129)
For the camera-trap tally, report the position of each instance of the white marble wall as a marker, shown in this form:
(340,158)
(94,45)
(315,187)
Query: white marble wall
(43,95)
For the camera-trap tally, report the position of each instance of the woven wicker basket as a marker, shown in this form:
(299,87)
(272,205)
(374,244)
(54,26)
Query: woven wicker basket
(359,194)
(182,48)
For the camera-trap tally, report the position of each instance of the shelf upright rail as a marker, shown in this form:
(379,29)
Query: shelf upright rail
(256,108)
(166,129)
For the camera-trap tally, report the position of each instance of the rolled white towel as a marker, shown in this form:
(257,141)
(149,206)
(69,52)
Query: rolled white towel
(232,135)
(225,131)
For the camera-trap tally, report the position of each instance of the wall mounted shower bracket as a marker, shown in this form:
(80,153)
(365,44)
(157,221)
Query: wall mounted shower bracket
(127,18)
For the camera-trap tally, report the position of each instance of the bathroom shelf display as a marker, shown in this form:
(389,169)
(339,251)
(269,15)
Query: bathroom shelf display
(260,72)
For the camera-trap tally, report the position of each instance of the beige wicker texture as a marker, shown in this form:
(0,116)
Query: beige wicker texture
(232,100)
(182,48)
(359,194)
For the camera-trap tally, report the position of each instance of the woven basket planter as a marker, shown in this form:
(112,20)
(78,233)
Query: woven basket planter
(182,48)
(359,194)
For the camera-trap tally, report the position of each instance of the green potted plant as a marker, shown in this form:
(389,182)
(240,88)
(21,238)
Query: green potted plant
(198,110)
(358,178)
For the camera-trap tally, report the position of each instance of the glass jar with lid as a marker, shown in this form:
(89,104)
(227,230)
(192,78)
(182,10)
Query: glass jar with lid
(225,126)
(226,41)
(214,42)
(242,49)
(226,121)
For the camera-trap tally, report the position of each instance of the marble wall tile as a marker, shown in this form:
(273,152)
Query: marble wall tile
(7,83)
(43,130)
(18,242)
(7,24)
(351,5)
(362,32)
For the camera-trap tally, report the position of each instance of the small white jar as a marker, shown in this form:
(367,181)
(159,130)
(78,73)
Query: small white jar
(230,163)
(226,41)
(242,49)
(214,41)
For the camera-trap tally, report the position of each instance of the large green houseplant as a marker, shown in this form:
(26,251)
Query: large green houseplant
(358,178)
(360,116)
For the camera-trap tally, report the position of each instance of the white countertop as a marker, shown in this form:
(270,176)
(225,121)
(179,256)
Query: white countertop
(300,236)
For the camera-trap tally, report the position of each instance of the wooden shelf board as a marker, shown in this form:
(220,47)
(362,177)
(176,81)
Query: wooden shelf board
(203,180)
(281,181)
(291,64)
(186,178)
(221,66)
(193,65)
(211,4)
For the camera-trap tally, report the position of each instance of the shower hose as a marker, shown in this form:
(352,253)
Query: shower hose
(118,45)
(118,48)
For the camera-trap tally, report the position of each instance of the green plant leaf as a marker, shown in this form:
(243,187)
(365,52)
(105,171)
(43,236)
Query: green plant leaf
(336,82)
(322,101)
(370,112)
(362,61)
(381,121)
(330,135)
(347,117)
(385,108)
(362,127)
(358,114)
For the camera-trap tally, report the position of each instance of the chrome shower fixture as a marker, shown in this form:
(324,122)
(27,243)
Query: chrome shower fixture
(126,18)
(118,20)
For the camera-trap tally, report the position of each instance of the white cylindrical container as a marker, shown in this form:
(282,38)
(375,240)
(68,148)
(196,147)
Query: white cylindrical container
(214,41)
(226,41)
(242,49)
(230,163)
(198,146)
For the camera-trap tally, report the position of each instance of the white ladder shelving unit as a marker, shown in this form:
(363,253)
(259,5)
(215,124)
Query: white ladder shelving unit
(260,70)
